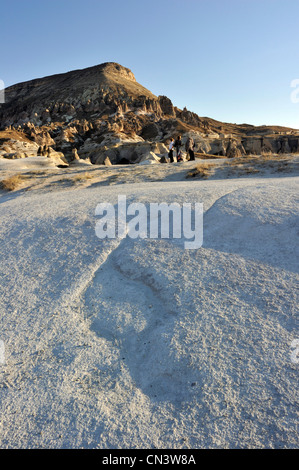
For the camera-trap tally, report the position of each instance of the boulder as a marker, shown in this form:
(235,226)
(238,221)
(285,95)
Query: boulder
(151,131)
(233,150)
(99,156)
(81,162)
(57,157)
(149,158)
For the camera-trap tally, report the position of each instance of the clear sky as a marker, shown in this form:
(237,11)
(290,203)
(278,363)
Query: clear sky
(231,60)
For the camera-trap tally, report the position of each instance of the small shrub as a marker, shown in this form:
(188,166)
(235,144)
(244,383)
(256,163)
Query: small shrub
(251,170)
(203,170)
(12,182)
(82,177)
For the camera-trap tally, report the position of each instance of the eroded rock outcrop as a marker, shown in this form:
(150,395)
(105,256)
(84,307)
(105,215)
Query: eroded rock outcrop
(103,112)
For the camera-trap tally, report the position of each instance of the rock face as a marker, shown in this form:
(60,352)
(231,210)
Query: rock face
(103,111)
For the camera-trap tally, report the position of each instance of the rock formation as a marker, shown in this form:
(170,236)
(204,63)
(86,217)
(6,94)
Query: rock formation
(103,112)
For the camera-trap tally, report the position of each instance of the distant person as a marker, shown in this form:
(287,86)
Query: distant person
(170,153)
(190,148)
(178,144)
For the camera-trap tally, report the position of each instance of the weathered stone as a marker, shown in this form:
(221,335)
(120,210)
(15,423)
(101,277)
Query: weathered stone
(232,150)
(285,147)
(75,154)
(107,162)
(150,131)
(149,158)
(166,105)
(99,157)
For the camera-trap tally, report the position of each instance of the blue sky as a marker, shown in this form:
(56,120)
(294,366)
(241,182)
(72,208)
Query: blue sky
(231,60)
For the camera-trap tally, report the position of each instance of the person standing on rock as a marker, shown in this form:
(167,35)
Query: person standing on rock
(170,153)
(178,144)
(190,148)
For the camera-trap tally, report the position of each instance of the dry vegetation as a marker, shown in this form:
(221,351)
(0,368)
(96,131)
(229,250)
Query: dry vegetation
(264,158)
(72,178)
(250,164)
(202,170)
(82,177)
(14,135)
(12,182)
(246,165)
(40,172)
(208,156)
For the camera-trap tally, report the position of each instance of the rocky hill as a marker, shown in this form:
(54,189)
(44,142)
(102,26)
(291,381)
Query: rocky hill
(102,111)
